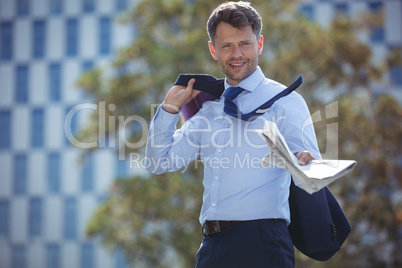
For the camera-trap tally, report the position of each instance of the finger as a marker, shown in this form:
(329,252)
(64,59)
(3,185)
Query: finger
(192,93)
(304,157)
(195,93)
(190,84)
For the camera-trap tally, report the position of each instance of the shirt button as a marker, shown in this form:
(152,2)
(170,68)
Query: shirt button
(216,178)
(219,150)
(214,204)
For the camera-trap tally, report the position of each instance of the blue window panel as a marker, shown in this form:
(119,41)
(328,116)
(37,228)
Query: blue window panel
(72,35)
(22,7)
(87,66)
(53,256)
(342,8)
(88,6)
(39,39)
(87,256)
(396,75)
(73,126)
(4,218)
(20,174)
(377,32)
(5,129)
(121,5)
(121,168)
(375,7)
(70,218)
(38,128)
(53,173)
(55,82)
(120,260)
(6,40)
(377,35)
(21,84)
(87,175)
(105,36)
(56,7)
(18,256)
(307,10)
(35,217)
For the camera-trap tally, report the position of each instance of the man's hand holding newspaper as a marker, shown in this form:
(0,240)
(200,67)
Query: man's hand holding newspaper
(311,177)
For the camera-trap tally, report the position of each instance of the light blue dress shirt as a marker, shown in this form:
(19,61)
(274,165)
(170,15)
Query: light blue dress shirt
(236,186)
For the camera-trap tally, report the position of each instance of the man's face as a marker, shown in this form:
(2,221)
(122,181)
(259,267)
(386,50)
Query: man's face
(237,51)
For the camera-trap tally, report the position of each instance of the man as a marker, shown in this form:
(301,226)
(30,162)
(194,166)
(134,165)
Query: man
(245,209)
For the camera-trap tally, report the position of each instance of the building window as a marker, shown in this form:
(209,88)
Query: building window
(38,127)
(35,217)
(307,10)
(88,6)
(342,9)
(18,257)
(396,75)
(87,256)
(72,36)
(4,218)
(21,84)
(22,7)
(39,39)
(121,168)
(73,127)
(87,175)
(5,129)
(20,174)
(105,36)
(53,173)
(70,218)
(121,5)
(6,40)
(56,7)
(87,66)
(120,260)
(52,256)
(55,82)
(377,31)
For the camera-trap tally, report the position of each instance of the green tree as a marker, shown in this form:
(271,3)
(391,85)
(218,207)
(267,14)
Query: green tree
(154,219)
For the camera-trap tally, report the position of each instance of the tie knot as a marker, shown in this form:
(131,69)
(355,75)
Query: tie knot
(233,92)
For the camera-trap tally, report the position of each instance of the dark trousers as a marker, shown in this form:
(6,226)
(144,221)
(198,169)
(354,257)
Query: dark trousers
(251,244)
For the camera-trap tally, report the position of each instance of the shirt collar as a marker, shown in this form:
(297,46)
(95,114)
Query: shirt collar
(251,82)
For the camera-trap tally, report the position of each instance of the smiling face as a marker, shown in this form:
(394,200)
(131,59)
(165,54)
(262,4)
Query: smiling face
(236,51)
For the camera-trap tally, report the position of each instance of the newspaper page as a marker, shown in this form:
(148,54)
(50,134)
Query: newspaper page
(311,177)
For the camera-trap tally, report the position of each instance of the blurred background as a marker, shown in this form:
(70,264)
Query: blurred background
(79,83)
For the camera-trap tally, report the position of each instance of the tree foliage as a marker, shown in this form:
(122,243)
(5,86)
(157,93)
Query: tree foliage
(154,219)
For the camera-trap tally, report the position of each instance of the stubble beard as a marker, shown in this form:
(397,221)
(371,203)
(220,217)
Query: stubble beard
(235,76)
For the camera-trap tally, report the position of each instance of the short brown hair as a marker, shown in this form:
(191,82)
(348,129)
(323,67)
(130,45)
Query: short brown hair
(238,14)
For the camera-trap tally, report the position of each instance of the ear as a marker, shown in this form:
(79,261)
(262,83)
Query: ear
(212,50)
(260,44)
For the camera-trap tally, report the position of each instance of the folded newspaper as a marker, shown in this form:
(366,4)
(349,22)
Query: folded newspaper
(311,177)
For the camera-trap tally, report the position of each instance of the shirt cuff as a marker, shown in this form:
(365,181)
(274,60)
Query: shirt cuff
(165,120)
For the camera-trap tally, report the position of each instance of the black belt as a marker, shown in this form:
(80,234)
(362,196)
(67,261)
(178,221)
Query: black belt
(213,227)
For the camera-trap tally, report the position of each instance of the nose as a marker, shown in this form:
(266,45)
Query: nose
(237,51)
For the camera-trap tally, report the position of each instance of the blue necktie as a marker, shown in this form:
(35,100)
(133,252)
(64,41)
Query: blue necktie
(230,107)
(232,92)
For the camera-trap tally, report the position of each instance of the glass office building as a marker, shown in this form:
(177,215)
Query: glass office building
(46,195)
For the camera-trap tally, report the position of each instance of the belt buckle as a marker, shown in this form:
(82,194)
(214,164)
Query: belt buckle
(205,229)
(216,228)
